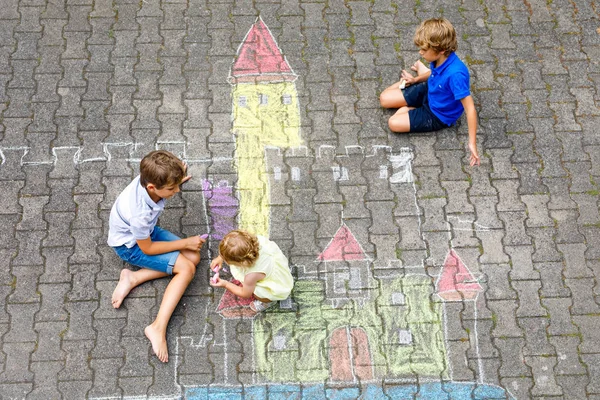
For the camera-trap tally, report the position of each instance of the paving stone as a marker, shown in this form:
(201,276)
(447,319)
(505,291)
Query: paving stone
(49,342)
(15,370)
(514,225)
(575,264)
(552,274)
(80,320)
(505,323)
(537,212)
(492,247)
(587,325)
(509,199)
(511,352)
(592,237)
(536,337)
(573,386)
(544,382)
(45,383)
(104,379)
(520,387)
(485,207)
(84,238)
(545,248)
(74,389)
(498,286)
(591,361)
(521,263)
(568,363)
(582,294)
(529,304)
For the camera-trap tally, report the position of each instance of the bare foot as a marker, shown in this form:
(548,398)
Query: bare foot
(159,343)
(420,68)
(123,288)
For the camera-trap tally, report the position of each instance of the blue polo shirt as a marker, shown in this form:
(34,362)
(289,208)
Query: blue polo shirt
(447,85)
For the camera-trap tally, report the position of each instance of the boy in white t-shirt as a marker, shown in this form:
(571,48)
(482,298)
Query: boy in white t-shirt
(136,239)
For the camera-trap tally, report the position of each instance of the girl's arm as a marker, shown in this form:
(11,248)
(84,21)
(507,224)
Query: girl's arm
(247,290)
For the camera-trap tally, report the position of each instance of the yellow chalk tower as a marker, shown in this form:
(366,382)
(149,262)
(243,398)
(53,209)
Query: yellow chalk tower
(265,114)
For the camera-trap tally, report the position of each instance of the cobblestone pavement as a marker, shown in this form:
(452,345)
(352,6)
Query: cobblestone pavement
(417,275)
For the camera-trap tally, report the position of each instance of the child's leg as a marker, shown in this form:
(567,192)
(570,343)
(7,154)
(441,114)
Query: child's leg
(392,97)
(400,121)
(183,270)
(130,279)
(262,299)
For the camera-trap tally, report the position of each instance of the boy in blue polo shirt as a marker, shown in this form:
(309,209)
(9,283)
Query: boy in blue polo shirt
(136,239)
(435,98)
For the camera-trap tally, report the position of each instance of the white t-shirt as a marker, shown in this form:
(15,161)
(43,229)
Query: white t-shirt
(133,216)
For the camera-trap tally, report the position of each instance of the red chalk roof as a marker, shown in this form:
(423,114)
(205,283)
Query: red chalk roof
(259,58)
(456,282)
(343,247)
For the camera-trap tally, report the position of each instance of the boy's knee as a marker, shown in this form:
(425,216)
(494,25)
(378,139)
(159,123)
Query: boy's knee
(385,100)
(194,258)
(397,124)
(185,267)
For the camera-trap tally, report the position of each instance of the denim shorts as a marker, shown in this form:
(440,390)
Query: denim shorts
(422,119)
(159,262)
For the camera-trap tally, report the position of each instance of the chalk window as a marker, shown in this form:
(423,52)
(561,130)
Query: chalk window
(295,174)
(279,341)
(398,299)
(277,173)
(263,99)
(340,173)
(404,336)
(286,99)
(242,101)
(383,172)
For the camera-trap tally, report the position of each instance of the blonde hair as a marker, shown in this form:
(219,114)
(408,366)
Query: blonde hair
(437,34)
(240,248)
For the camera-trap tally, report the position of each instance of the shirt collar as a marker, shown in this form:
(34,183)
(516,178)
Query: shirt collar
(442,67)
(147,199)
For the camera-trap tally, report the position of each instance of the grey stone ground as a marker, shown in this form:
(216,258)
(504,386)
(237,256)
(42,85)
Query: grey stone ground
(81,81)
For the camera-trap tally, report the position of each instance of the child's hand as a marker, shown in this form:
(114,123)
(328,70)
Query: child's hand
(216,264)
(474,155)
(408,78)
(218,282)
(188,177)
(194,243)
(420,68)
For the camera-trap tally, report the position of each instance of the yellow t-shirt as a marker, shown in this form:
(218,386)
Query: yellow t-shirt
(278,282)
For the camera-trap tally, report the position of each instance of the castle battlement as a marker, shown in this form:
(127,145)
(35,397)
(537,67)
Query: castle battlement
(296,160)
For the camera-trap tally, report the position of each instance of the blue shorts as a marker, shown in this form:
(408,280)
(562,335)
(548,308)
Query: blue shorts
(422,119)
(159,262)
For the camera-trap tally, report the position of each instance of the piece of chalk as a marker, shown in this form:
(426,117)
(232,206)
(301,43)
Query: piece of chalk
(215,277)
(402,84)
(204,236)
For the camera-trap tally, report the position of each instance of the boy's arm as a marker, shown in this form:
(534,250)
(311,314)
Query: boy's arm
(422,71)
(247,290)
(471,113)
(151,248)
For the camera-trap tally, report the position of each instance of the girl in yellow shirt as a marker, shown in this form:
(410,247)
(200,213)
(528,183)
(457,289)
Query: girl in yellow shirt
(259,264)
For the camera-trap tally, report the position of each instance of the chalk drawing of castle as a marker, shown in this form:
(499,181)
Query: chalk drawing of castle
(364,311)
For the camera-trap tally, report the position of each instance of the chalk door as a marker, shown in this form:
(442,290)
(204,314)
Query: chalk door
(349,355)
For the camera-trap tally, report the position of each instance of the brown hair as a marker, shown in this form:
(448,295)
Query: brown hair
(161,168)
(239,247)
(437,34)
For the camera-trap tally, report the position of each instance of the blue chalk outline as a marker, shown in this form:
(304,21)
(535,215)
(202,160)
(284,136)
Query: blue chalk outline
(423,391)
